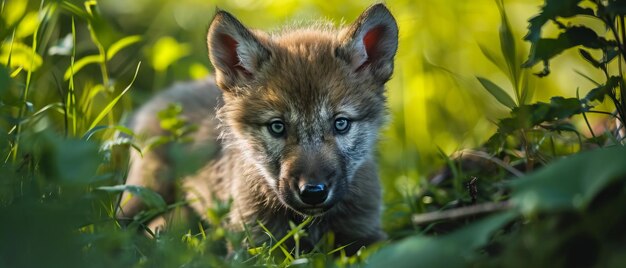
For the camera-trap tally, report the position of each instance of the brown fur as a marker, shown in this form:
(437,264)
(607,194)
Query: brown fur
(305,78)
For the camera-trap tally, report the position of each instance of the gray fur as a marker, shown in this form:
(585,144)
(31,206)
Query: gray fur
(307,78)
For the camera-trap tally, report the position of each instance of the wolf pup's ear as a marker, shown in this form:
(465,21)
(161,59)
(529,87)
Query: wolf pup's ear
(370,43)
(234,51)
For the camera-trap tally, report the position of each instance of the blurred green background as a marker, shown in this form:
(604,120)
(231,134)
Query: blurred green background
(437,105)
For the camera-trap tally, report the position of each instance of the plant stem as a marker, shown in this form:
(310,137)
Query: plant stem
(462,212)
(621,74)
(24,97)
(601,112)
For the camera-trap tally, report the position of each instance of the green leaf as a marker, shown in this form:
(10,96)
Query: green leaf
(561,108)
(74,9)
(170,118)
(20,55)
(493,58)
(149,197)
(570,183)
(109,106)
(546,48)
(28,25)
(79,64)
(456,249)
(589,58)
(598,93)
(13,11)
(74,161)
(291,233)
(121,44)
(507,41)
(550,11)
(497,92)
(528,116)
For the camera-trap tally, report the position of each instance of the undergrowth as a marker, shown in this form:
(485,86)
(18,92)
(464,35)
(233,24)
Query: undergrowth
(538,193)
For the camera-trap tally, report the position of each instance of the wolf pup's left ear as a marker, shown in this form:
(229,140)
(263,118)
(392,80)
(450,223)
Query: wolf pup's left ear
(371,42)
(234,51)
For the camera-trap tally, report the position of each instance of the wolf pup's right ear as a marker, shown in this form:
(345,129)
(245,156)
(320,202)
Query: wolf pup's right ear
(234,51)
(370,43)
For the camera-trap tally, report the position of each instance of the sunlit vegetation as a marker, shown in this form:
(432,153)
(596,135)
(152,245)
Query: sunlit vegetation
(503,147)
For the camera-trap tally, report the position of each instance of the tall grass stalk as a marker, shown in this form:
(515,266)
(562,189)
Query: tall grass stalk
(24,97)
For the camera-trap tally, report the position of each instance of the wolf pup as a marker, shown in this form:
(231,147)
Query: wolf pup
(296,115)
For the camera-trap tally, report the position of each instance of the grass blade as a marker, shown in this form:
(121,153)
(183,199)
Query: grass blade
(70,102)
(292,232)
(109,106)
(121,44)
(79,64)
(507,41)
(119,128)
(497,92)
(282,248)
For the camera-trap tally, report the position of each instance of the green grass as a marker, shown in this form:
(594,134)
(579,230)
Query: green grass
(539,192)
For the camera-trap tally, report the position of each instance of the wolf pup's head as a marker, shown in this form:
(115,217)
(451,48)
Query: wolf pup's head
(305,105)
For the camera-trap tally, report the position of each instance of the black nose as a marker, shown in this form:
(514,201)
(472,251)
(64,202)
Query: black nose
(313,194)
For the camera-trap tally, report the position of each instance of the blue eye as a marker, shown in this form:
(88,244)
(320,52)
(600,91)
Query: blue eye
(342,125)
(276,128)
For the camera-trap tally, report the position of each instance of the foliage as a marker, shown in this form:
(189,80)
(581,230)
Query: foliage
(70,72)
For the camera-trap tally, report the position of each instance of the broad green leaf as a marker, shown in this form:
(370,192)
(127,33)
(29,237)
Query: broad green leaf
(28,25)
(456,249)
(551,10)
(598,93)
(121,44)
(149,197)
(13,11)
(20,55)
(561,108)
(569,183)
(73,161)
(79,64)
(527,116)
(497,92)
(109,106)
(546,48)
